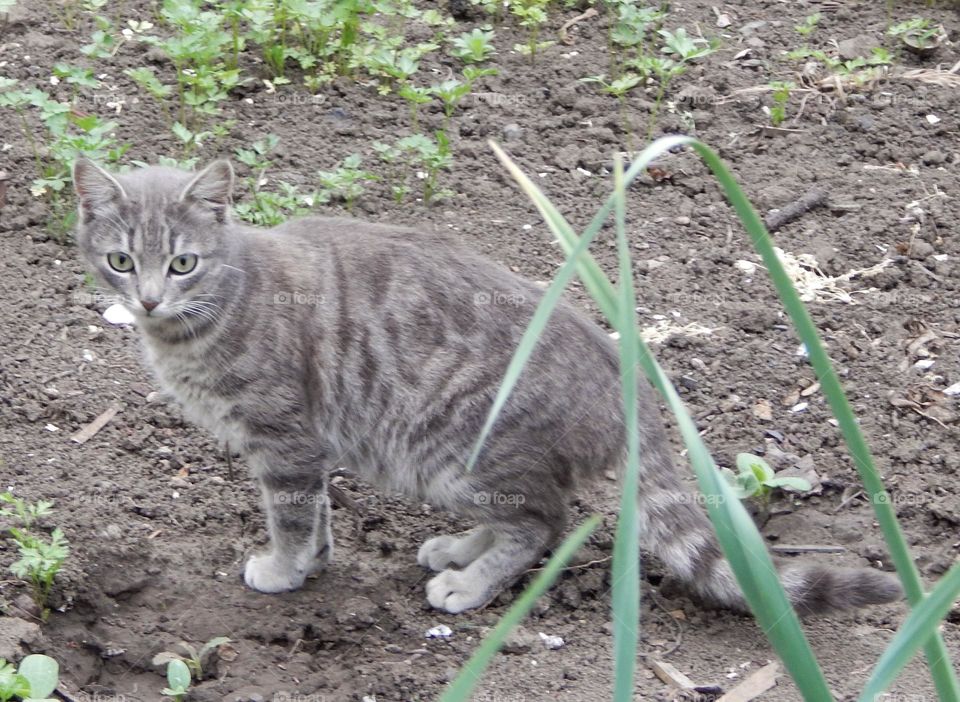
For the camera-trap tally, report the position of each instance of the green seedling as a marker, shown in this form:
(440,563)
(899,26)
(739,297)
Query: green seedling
(781,96)
(104,42)
(919,35)
(474,47)
(34,681)
(178,680)
(40,558)
(619,87)
(685,47)
(420,156)
(269,208)
(532,15)
(415,96)
(809,25)
(346,183)
(756,480)
(197,50)
(192,662)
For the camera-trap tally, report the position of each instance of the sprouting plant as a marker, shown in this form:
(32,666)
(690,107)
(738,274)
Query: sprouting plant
(474,47)
(808,25)
(346,183)
(40,559)
(104,42)
(451,92)
(781,96)
(532,15)
(919,34)
(415,96)
(197,50)
(914,24)
(178,680)
(34,681)
(76,76)
(269,208)
(147,79)
(192,662)
(630,32)
(70,132)
(619,87)
(682,45)
(756,480)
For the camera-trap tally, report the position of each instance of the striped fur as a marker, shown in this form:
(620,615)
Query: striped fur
(328,342)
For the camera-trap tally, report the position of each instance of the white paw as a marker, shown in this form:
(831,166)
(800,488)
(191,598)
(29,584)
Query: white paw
(437,553)
(266,573)
(455,592)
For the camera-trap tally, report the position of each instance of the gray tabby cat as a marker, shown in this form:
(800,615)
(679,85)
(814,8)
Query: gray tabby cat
(328,342)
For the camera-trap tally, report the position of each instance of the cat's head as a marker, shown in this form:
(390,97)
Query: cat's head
(157,236)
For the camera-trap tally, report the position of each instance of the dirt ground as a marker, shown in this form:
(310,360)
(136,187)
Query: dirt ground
(159,529)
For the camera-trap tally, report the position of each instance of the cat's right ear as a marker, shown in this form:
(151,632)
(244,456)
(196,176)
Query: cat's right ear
(95,188)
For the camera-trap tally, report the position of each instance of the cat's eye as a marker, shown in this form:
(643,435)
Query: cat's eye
(183,264)
(120,262)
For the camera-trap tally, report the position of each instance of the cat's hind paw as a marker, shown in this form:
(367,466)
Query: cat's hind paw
(442,551)
(266,573)
(454,591)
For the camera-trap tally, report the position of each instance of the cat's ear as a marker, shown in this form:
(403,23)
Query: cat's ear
(95,188)
(213,186)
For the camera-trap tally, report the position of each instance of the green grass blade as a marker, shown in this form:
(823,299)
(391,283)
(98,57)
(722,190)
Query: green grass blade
(464,684)
(941,669)
(739,538)
(626,548)
(924,618)
(936,652)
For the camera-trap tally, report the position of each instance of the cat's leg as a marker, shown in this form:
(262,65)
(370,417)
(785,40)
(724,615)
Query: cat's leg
(515,548)
(298,518)
(460,550)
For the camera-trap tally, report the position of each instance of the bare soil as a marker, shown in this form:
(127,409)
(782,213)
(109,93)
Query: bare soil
(159,529)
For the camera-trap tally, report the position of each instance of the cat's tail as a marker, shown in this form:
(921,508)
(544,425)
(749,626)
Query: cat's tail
(675,527)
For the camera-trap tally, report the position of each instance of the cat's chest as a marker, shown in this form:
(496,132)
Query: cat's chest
(191,384)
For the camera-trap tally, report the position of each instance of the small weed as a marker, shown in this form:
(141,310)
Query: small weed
(781,96)
(35,679)
(418,153)
(346,183)
(194,659)
(532,15)
(178,680)
(40,559)
(809,25)
(474,47)
(756,480)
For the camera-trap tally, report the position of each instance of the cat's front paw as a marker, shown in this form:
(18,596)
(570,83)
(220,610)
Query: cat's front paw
(454,591)
(266,572)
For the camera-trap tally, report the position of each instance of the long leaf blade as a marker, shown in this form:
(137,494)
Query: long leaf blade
(464,684)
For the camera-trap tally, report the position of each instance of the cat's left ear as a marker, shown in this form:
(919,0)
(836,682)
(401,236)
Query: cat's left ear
(213,187)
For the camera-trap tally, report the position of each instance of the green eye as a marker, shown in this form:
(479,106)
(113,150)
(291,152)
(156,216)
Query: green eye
(120,262)
(183,264)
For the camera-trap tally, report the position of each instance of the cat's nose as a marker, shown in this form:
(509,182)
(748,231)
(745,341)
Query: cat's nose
(149,305)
